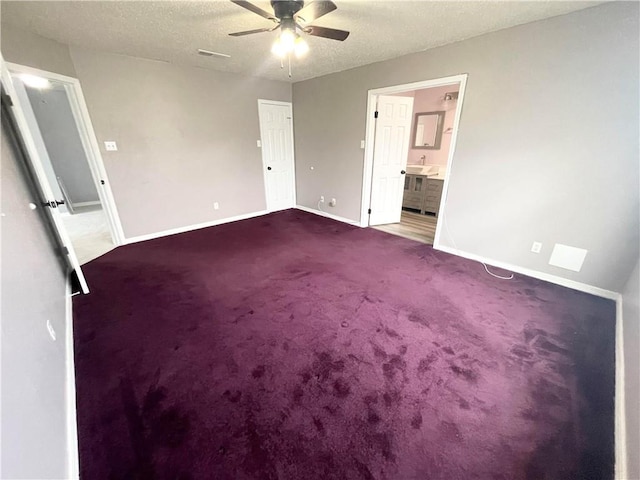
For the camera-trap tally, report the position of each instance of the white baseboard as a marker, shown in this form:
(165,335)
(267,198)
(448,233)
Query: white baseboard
(582,287)
(620,440)
(151,236)
(73,461)
(328,215)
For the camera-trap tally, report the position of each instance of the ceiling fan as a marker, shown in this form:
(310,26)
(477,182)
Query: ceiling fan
(293,17)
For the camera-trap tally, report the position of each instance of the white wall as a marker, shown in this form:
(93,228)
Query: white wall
(32,287)
(547,148)
(430,100)
(186,138)
(631,331)
(59,131)
(26,48)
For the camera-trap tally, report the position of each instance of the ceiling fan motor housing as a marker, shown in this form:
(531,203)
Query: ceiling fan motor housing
(286,8)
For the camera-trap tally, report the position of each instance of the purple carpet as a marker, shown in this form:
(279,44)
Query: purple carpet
(294,347)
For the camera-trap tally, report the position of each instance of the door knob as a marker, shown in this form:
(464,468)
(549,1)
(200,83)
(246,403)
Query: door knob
(268,168)
(402,172)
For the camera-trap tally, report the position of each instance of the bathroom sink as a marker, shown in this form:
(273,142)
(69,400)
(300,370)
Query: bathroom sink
(427,170)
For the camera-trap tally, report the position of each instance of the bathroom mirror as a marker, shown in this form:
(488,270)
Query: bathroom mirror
(427,130)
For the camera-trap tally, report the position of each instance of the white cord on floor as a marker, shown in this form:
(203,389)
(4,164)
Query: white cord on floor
(446,227)
(494,275)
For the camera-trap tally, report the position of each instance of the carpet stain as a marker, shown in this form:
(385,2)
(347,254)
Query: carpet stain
(341,388)
(416,420)
(395,365)
(466,373)
(419,383)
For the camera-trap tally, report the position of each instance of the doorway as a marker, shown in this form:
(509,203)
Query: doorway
(411,206)
(276,134)
(56,117)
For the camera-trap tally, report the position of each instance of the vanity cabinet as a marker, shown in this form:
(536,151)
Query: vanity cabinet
(432,196)
(414,186)
(422,193)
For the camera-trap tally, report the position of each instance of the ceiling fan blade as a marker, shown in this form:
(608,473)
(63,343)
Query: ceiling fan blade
(314,10)
(251,7)
(325,32)
(249,32)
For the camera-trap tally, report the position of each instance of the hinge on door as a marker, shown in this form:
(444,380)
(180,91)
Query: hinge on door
(369,211)
(53,203)
(375,115)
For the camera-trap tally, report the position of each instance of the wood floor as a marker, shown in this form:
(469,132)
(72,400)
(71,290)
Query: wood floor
(421,228)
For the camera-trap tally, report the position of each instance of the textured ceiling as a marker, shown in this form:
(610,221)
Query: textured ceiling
(172,31)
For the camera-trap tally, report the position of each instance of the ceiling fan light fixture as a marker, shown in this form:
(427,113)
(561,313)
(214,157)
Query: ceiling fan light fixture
(278,49)
(288,40)
(300,47)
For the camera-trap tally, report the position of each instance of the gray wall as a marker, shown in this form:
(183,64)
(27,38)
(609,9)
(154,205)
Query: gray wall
(32,286)
(186,138)
(26,48)
(62,140)
(631,342)
(547,148)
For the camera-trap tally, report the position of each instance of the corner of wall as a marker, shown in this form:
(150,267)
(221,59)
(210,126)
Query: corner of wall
(620,425)
(73,461)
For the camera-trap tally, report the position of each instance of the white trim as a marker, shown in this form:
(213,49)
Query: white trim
(86,204)
(294,199)
(188,228)
(452,151)
(89,141)
(327,215)
(35,161)
(370,134)
(563,282)
(73,462)
(620,441)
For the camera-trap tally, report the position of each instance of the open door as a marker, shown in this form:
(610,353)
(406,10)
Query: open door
(391,147)
(33,168)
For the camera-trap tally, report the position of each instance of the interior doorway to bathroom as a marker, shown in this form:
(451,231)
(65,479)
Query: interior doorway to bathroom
(53,109)
(411,131)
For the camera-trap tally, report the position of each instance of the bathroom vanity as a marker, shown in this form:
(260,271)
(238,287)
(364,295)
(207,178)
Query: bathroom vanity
(422,193)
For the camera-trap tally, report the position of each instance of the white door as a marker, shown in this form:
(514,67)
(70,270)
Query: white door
(35,165)
(390,150)
(276,132)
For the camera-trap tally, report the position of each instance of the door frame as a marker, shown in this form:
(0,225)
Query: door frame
(36,168)
(89,142)
(370,131)
(262,102)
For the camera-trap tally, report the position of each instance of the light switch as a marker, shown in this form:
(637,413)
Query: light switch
(110,146)
(362,144)
(259,143)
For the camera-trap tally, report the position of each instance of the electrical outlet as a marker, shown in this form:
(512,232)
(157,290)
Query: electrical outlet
(110,146)
(362,144)
(321,198)
(216,205)
(332,203)
(259,143)
(536,247)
